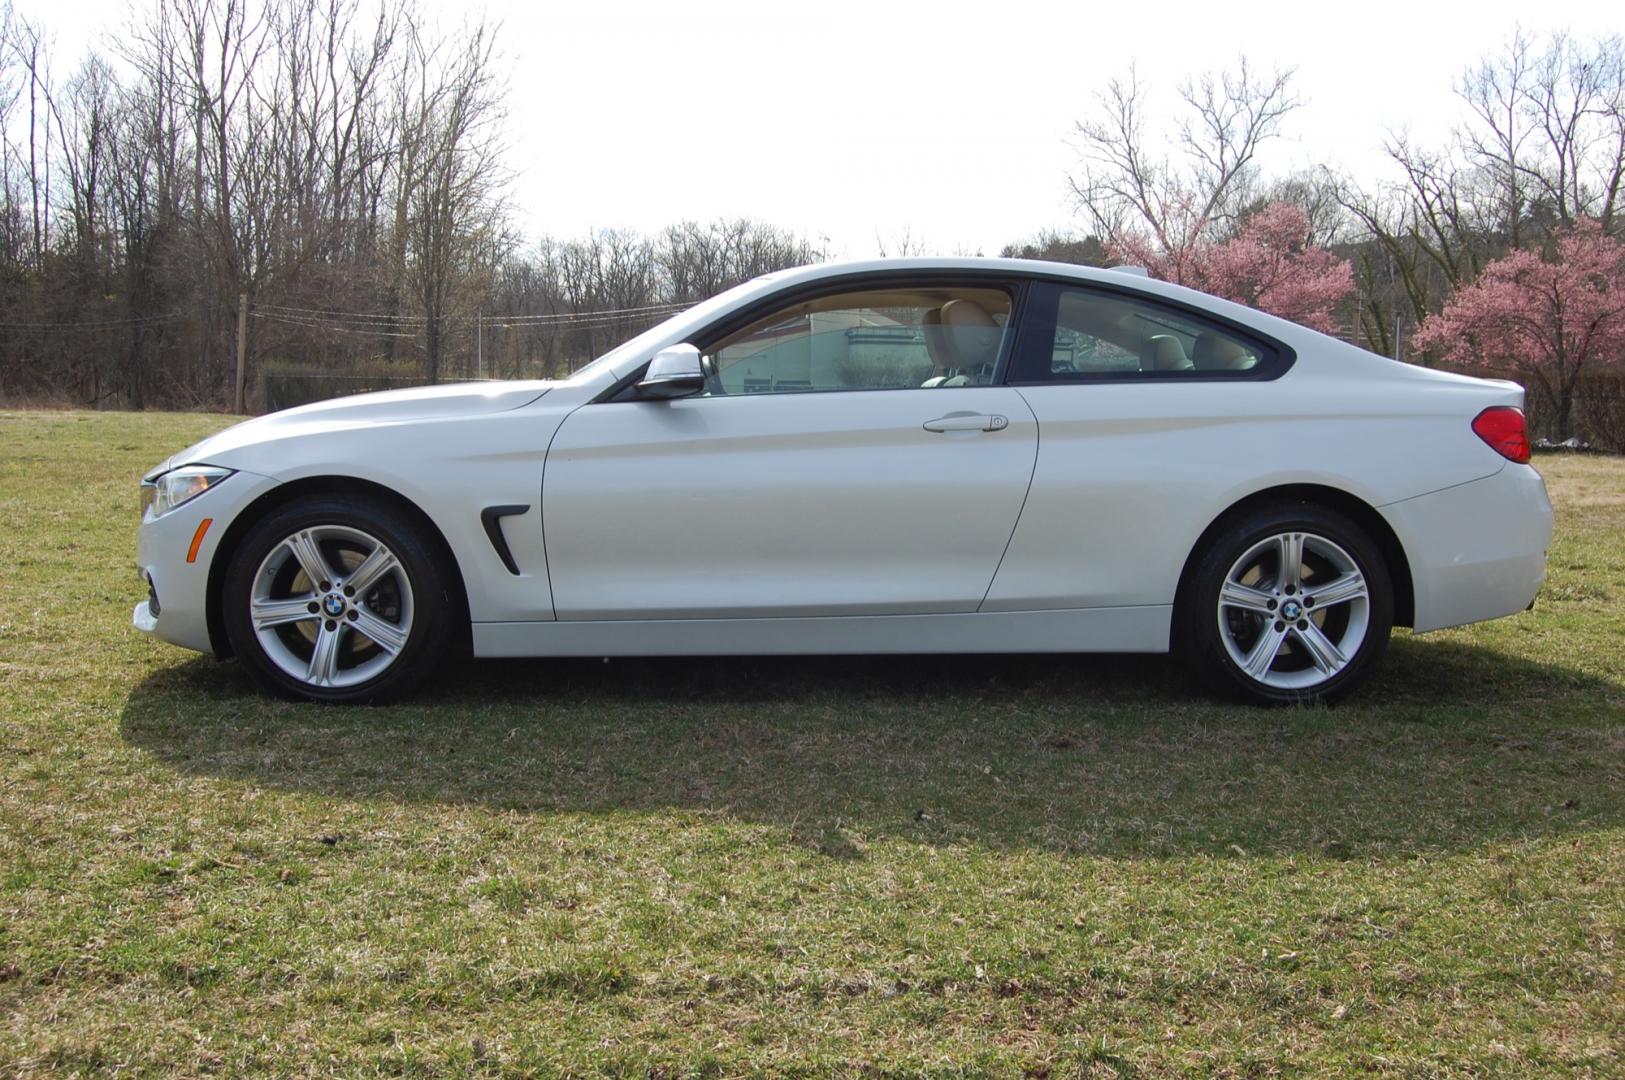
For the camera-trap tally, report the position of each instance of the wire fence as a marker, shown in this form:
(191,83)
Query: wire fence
(88,326)
(548,343)
(503,344)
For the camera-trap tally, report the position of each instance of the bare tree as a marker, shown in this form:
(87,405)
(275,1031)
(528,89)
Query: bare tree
(1548,130)
(1055,246)
(450,215)
(1543,145)
(699,261)
(25,52)
(900,244)
(1195,193)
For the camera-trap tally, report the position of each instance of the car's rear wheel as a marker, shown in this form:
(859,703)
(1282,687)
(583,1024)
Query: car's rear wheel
(1289,603)
(337,601)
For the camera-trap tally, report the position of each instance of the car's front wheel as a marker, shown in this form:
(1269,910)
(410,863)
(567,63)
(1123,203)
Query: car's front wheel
(1289,603)
(335,600)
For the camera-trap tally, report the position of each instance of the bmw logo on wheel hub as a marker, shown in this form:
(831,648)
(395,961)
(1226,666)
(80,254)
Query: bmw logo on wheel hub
(333,605)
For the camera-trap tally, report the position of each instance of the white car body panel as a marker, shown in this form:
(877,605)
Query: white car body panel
(784,504)
(1477,550)
(496,432)
(1133,453)
(832,522)
(162,547)
(1127,630)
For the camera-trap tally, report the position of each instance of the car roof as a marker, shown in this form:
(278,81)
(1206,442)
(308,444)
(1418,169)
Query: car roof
(968,263)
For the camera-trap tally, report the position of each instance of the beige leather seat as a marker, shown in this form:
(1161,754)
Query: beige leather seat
(1216,352)
(1163,352)
(962,338)
(936,345)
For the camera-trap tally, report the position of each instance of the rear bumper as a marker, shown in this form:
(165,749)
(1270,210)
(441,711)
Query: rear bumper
(1477,550)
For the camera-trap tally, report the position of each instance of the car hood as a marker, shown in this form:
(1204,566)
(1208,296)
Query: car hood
(422,403)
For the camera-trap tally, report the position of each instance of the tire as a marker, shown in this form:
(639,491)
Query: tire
(1258,635)
(370,631)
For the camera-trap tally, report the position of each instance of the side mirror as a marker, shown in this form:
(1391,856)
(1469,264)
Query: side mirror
(673,373)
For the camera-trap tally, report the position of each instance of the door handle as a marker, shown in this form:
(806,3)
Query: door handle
(967,421)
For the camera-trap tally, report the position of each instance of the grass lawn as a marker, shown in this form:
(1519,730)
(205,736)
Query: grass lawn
(1045,866)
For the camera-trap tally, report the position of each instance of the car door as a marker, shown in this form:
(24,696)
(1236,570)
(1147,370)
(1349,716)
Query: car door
(1154,416)
(839,464)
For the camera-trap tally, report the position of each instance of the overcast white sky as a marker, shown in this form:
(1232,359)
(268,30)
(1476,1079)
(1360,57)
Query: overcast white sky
(846,119)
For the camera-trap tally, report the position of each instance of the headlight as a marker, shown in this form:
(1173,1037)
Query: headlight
(164,493)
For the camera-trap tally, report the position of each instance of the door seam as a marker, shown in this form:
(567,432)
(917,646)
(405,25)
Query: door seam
(1038,439)
(541,505)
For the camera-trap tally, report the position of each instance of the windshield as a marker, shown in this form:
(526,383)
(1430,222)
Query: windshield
(672,331)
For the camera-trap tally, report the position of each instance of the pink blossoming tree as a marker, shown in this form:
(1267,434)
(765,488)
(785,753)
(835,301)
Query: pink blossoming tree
(1269,264)
(1549,320)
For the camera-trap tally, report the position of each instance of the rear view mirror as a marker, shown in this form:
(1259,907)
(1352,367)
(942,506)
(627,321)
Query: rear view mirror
(673,373)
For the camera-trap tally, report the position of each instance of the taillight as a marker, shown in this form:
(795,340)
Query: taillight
(1502,427)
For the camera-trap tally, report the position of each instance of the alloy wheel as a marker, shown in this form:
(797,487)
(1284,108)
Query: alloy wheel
(1293,611)
(331,606)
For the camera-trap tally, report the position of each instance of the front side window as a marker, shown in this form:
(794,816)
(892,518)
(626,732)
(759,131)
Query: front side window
(872,339)
(1095,335)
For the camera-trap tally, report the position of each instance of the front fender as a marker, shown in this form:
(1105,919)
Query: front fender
(452,470)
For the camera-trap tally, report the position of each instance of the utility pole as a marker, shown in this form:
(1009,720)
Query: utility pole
(479,341)
(241,406)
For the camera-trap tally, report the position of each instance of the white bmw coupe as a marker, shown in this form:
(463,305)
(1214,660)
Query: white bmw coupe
(904,456)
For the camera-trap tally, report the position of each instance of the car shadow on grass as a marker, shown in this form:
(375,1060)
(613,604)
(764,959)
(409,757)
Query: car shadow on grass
(1453,746)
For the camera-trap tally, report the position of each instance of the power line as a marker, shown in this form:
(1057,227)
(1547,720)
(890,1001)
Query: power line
(340,316)
(319,317)
(104,324)
(575,322)
(314,325)
(647,309)
(385,318)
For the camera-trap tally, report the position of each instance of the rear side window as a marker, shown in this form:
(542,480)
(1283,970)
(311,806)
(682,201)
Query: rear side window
(1075,334)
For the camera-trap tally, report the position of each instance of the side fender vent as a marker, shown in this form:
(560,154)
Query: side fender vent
(491,517)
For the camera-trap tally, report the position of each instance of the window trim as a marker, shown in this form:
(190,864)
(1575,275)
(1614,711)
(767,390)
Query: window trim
(706,338)
(1038,326)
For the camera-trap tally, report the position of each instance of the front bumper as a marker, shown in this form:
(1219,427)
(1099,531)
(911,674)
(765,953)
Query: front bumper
(181,585)
(1477,550)
(143,618)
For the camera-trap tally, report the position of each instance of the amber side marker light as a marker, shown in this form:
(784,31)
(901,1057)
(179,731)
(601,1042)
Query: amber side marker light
(197,539)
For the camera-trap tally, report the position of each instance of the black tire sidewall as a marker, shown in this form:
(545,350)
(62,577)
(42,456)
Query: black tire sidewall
(425,643)
(1199,633)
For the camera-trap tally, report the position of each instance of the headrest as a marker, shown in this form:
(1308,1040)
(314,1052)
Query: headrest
(1163,352)
(973,336)
(966,313)
(936,338)
(1216,352)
